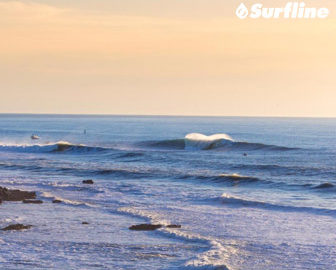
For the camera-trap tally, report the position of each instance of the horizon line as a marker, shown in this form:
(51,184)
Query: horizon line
(163,115)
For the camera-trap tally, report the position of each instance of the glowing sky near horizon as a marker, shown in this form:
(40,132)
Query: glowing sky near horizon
(172,57)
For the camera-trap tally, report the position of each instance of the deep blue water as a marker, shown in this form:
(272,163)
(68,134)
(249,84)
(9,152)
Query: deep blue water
(260,194)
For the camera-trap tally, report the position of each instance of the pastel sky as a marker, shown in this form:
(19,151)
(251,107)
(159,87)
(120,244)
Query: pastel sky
(170,57)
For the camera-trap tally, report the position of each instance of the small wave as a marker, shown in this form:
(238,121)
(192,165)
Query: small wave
(49,195)
(61,146)
(241,202)
(73,187)
(237,177)
(134,173)
(233,179)
(275,169)
(68,147)
(131,155)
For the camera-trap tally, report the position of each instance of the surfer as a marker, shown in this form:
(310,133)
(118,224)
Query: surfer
(34,137)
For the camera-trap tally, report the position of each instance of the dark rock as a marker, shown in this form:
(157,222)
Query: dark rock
(15,195)
(174,226)
(33,201)
(145,227)
(85,223)
(56,201)
(88,182)
(245,155)
(16,227)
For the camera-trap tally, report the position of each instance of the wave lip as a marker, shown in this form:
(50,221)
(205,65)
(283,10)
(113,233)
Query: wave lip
(198,141)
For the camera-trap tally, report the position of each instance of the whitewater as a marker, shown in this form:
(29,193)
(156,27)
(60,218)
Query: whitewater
(249,193)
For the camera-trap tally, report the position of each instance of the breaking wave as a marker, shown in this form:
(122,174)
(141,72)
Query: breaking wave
(192,141)
(198,141)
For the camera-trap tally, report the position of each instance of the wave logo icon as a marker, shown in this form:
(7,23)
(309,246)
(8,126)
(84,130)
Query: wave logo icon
(242,11)
(291,10)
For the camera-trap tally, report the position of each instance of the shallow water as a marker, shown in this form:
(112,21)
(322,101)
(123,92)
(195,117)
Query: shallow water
(261,194)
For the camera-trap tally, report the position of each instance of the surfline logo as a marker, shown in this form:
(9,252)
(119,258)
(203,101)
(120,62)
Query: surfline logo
(292,10)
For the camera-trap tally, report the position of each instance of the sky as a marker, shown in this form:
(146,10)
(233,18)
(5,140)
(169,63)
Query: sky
(164,57)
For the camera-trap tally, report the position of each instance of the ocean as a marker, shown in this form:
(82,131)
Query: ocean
(249,193)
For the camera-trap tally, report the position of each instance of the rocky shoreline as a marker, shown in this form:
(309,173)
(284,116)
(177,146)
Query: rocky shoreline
(29,197)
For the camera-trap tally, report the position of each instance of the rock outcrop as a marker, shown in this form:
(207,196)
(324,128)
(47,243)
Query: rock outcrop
(16,227)
(153,227)
(145,227)
(88,182)
(174,226)
(15,195)
(56,201)
(33,201)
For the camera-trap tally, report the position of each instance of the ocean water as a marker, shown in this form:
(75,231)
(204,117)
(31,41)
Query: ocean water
(250,193)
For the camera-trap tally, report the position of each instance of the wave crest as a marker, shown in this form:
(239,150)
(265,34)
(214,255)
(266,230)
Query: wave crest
(200,141)
(222,141)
